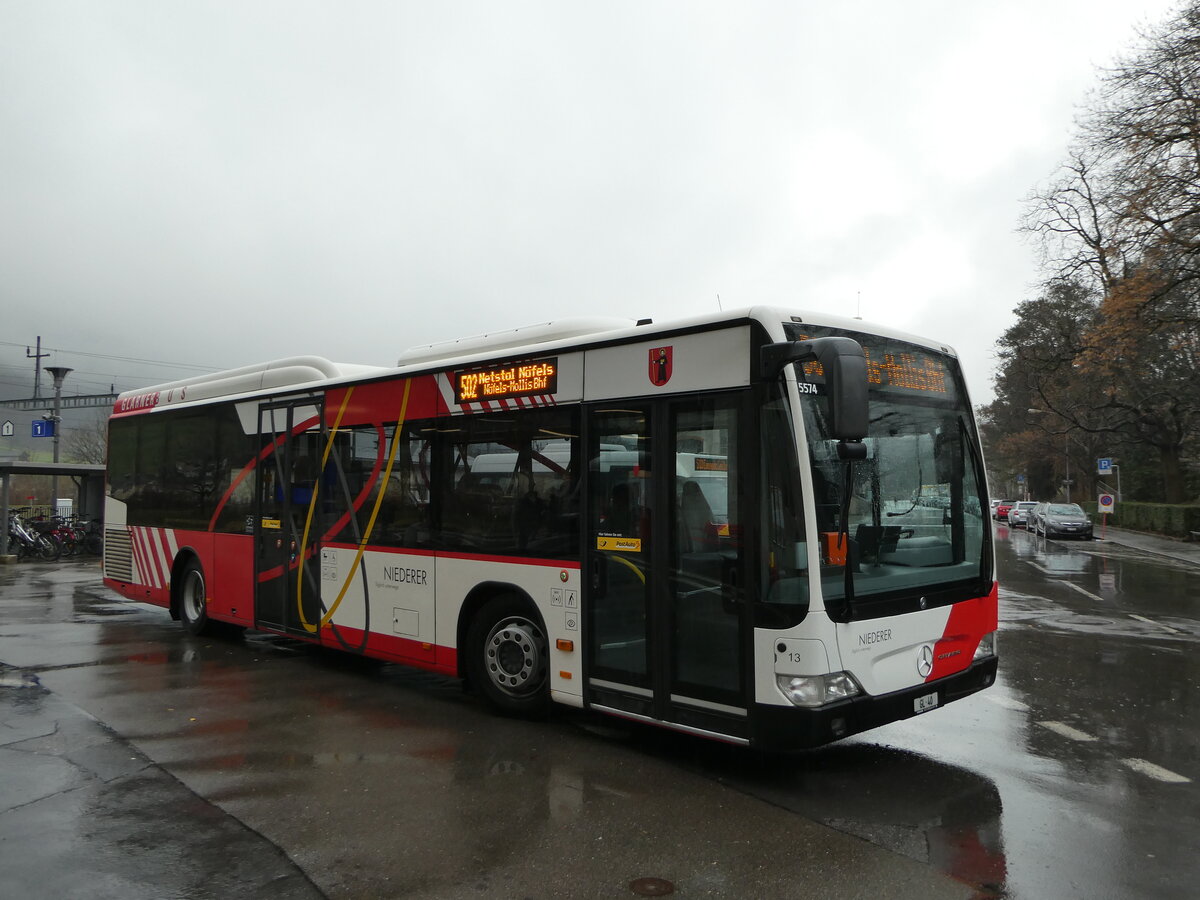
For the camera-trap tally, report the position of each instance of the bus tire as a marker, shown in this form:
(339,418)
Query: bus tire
(192,599)
(508,657)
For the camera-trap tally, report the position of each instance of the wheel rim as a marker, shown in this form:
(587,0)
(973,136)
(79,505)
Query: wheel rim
(192,596)
(514,656)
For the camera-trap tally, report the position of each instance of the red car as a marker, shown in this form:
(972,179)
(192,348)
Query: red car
(1002,508)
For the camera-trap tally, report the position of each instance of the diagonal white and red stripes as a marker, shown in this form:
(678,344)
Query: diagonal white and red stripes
(154,550)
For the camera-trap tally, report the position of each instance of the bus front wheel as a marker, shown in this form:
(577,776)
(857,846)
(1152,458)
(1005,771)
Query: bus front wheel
(193,602)
(508,657)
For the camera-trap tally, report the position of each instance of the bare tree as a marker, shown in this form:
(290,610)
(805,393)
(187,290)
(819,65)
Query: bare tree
(88,443)
(1122,217)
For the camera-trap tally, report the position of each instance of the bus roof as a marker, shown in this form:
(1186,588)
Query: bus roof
(531,340)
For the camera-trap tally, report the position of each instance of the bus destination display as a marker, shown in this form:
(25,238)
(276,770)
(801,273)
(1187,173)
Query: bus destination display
(891,365)
(910,371)
(500,382)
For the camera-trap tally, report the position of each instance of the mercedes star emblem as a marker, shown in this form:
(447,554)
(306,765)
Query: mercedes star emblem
(925,661)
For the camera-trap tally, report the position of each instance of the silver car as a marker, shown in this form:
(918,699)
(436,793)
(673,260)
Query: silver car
(1021,514)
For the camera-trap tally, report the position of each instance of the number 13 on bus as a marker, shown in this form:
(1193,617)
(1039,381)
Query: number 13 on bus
(764,527)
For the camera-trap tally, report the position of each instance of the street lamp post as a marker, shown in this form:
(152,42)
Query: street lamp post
(59,374)
(1067,464)
(1066,453)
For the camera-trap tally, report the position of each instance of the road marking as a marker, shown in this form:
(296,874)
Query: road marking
(1156,772)
(1058,577)
(1007,702)
(1068,732)
(1152,622)
(1085,593)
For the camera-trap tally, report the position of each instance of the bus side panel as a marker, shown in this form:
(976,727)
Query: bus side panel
(151,554)
(391,648)
(371,403)
(227,562)
(146,570)
(230,573)
(554,587)
(706,361)
(380,603)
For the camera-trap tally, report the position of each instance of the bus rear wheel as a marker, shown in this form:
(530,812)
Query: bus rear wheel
(193,601)
(508,657)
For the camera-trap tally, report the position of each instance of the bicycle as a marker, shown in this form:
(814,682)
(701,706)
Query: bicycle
(29,541)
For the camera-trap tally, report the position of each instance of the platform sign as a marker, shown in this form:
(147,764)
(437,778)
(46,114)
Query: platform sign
(1106,503)
(7,429)
(1104,466)
(43,428)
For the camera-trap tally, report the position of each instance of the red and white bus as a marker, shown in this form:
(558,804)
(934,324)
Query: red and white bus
(765,527)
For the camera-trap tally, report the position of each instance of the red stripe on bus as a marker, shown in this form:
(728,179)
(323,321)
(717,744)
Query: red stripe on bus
(422,654)
(968,622)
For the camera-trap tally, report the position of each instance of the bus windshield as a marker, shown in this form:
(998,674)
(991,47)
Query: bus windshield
(908,521)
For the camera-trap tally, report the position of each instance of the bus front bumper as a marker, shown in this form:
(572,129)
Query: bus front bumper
(792,728)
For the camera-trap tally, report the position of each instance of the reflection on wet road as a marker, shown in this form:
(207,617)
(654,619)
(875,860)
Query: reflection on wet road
(361,780)
(1075,776)
(1089,735)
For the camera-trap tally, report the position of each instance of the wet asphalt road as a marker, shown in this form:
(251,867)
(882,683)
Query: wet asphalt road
(140,762)
(154,764)
(1090,736)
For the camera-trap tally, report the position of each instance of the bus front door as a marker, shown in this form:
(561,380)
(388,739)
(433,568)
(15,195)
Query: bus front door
(665,601)
(291,517)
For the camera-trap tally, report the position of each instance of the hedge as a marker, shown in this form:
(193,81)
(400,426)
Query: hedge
(1171,519)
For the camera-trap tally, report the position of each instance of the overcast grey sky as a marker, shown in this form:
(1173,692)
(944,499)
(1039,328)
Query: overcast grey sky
(216,184)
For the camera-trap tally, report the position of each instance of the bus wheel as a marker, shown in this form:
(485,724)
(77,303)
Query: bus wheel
(193,605)
(508,656)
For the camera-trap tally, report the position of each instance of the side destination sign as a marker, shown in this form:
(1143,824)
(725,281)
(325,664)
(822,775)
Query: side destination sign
(498,382)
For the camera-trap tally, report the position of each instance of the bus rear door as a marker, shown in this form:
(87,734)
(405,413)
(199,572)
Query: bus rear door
(292,515)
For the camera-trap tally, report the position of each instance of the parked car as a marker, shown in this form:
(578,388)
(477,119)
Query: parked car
(1066,520)
(1000,513)
(1019,514)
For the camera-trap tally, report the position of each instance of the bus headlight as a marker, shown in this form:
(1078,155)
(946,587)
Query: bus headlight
(987,646)
(817,690)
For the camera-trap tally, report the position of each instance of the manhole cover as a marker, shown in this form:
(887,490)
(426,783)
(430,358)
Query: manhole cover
(651,887)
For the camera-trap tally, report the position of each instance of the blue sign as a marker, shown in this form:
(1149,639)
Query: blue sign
(1104,466)
(43,428)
